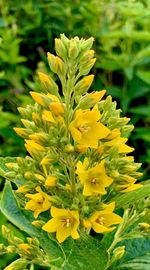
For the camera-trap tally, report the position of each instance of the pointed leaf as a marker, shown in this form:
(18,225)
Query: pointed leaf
(132,196)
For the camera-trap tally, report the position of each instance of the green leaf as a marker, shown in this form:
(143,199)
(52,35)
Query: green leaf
(82,254)
(140,263)
(132,196)
(85,253)
(142,110)
(144,75)
(136,256)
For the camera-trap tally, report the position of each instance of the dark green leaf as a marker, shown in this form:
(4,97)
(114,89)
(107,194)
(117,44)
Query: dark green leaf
(132,196)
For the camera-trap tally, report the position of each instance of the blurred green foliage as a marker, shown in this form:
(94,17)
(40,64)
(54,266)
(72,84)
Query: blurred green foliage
(122,45)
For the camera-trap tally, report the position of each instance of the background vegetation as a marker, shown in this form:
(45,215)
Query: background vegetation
(122,45)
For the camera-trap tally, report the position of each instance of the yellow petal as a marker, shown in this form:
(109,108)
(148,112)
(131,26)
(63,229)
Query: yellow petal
(50,226)
(51,181)
(62,234)
(47,116)
(98,228)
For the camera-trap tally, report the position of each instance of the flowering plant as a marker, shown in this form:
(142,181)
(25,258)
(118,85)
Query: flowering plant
(76,193)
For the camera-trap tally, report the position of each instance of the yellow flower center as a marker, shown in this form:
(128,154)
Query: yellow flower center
(101,220)
(94,181)
(84,128)
(67,222)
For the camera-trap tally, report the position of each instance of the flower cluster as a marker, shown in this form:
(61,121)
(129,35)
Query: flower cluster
(77,161)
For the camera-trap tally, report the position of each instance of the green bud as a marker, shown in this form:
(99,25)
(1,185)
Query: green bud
(84,69)
(118,253)
(11,249)
(65,40)
(10,174)
(60,48)
(126,130)
(19,264)
(56,64)
(28,124)
(87,44)
(73,50)
(83,85)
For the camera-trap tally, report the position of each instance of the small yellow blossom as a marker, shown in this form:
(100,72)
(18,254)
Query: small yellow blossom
(23,189)
(114,139)
(64,222)
(47,116)
(39,202)
(51,181)
(25,247)
(126,183)
(46,160)
(85,128)
(102,221)
(39,98)
(128,187)
(46,80)
(33,148)
(94,179)
(57,108)
(94,97)
(22,132)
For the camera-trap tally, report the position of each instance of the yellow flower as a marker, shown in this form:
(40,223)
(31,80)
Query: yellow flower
(22,132)
(57,108)
(93,97)
(23,189)
(94,179)
(64,222)
(129,187)
(25,247)
(114,139)
(86,129)
(126,183)
(51,181)
(39,202)
(47,116)
(33,148)
(102,221)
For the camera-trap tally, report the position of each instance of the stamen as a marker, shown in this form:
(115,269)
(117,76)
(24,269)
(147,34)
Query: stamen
(101,220)
(84,128)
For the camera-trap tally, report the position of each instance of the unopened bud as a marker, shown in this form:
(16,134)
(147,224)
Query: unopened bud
(87,44)
(69,148)
(60,48)
(144,226)
(10,174)
(73,50)
(48,83)
(86,67)
(84,84)
(118,253)
(56,64)
(17,265)
(11,249)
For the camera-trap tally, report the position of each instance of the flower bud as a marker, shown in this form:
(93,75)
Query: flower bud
(56,64)
(60,48)
(73,50)
(84,84)
(17,265)
(87,44)
(11,249)
(48,83)
(10,174)
(118,253)
(69,148)
(85,68)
